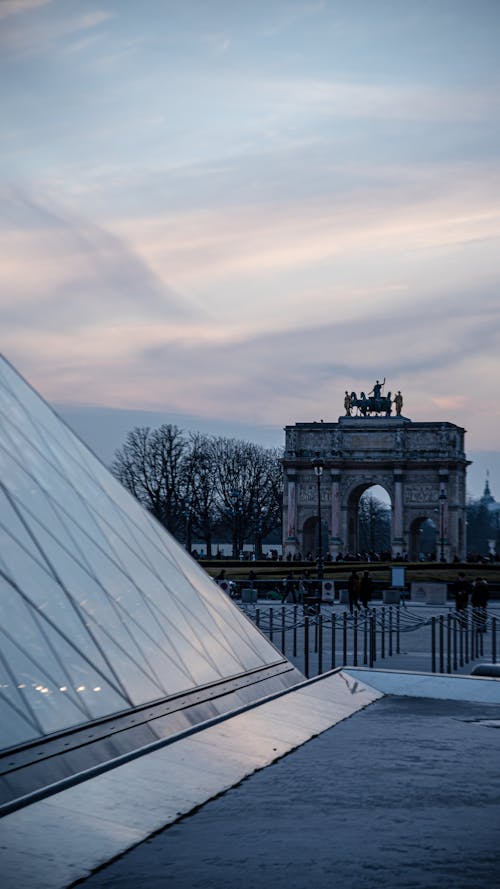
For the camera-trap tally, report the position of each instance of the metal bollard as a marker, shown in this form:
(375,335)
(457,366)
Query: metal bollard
(455,664)
(494,639)
(371,640)
(375,635)
(295,614)
(344,637)
(433,644)
(271,628)
(283,641)
(448,642)
(461,642)
(441,643)
(466,641)
(398,631)
(355,640)
(365,637)
(334,620)
(306,647)
(316,635)
(257,617)
(320,643)
(382,636)
(390,631)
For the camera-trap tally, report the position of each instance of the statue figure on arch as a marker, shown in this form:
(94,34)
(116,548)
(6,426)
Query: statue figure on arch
(398,403)
(377,389)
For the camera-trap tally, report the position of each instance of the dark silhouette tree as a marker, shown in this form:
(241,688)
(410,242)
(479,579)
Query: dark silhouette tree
(151,466)
(199,484)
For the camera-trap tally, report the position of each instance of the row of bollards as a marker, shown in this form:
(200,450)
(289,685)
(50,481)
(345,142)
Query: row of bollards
(464,633)
(371,634)
(358,634)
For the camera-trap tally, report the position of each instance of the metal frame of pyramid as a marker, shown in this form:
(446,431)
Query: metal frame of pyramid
(112,638)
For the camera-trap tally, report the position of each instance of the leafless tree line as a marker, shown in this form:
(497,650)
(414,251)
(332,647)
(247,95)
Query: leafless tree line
(208,486)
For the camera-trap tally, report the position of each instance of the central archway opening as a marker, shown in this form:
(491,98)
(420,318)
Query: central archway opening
(370,523)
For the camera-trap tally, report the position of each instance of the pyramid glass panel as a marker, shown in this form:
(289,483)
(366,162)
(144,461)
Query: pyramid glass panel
(101,610)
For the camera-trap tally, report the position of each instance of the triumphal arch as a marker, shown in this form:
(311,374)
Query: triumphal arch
(422,466)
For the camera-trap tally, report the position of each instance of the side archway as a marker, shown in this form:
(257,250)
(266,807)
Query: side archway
(310,536)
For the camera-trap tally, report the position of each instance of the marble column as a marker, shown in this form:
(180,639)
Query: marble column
(335,522)
(398,543)
(290,541)
(445,488)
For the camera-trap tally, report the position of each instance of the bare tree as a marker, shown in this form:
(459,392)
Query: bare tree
(201,496)
(203,484)
(151,466)
(248,480)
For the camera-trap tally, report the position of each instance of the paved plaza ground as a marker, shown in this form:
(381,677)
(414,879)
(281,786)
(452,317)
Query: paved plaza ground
(403,794)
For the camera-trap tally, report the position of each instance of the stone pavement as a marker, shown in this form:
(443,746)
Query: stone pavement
(403,794)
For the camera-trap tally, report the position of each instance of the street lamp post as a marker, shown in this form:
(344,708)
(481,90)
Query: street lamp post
(318,469)
(442,501)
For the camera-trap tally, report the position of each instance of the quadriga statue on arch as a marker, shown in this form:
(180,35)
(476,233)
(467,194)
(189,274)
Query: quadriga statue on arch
(373,403)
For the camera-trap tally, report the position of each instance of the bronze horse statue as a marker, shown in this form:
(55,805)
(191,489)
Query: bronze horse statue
(371,405)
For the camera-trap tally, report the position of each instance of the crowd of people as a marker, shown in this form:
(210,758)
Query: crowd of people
(371,556)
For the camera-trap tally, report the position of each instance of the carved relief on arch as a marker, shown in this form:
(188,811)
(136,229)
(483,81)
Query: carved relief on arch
(422,493)
(308,491)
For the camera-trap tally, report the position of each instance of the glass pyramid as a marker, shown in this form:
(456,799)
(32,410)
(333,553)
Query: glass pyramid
(101,610)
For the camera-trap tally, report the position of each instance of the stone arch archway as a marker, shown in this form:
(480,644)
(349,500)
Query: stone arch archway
(310,536)
(309,532)
(355,537)
(422,466)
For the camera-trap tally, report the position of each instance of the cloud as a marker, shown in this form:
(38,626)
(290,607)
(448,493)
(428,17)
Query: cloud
(289,257)
(450,402)
(278,377)
(291,15)
(78,274)
(25,36)
(17,7)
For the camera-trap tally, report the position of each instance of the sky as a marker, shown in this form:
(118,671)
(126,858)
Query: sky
(230,212)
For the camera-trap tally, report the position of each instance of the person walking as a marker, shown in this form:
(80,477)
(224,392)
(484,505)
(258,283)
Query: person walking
(304,585)
(353,587)
(479,602)
(365,589)
(289,589)
(461,591)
